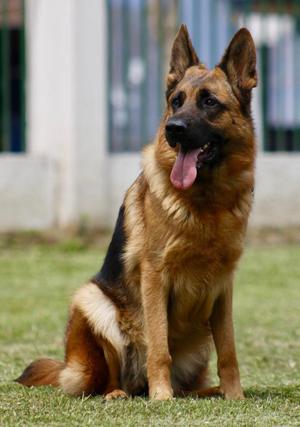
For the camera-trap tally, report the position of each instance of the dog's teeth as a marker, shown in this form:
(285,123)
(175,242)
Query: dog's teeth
(205,147)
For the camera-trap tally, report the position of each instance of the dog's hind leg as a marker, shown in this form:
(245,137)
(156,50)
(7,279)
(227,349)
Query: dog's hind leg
(92,350)
(113,388)
(86,370)
(93,363)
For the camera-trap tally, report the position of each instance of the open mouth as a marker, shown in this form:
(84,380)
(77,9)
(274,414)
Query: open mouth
(207,154)
(188,163)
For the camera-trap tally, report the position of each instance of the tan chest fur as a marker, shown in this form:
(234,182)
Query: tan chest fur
(194,251)
(194,261)
(196,272)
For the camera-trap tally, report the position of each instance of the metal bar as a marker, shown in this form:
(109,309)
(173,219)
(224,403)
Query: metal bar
(213,33)
(296,139)
(202,11)
(125,64)
(1,79)
(23,78)
(195,30)
(5,87)
(135,74)
(179,13)
(296,63)
(264,83)
(161,10)
(116,96)
(144,88)
(280,137)
(109,75)
(267,144)
(264,95)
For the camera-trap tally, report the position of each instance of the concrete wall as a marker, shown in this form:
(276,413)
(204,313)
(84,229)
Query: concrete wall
(277,190)
(27,193)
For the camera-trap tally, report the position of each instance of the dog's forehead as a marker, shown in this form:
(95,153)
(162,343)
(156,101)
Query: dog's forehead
(197,78)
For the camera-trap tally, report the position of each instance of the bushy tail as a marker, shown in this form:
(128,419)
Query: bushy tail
(41,372)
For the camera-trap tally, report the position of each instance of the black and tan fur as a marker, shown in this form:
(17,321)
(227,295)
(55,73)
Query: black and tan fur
(147,321)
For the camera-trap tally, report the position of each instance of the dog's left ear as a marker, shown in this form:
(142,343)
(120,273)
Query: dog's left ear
(183,56)
(239,64)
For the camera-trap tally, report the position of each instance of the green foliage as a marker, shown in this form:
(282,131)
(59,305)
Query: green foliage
(35,287)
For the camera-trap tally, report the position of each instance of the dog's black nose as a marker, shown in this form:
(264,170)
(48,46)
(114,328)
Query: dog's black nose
(176,127)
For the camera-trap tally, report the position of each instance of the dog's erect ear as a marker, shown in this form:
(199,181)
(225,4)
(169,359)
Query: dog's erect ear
(183,56)
(239,64)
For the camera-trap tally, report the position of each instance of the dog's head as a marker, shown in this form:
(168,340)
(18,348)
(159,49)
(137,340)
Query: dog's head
(208,111)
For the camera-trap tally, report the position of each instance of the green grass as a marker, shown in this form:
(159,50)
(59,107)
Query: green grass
(35,287)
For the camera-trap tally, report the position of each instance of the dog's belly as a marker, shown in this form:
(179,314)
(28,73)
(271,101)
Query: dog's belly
(189,364)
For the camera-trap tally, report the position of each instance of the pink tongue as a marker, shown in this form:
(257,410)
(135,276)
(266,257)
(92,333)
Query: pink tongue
(184,171)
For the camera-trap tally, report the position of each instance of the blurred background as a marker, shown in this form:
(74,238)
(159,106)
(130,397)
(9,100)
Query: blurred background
(82,91)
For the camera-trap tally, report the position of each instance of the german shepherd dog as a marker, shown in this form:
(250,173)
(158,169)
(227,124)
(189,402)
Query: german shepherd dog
(147,321)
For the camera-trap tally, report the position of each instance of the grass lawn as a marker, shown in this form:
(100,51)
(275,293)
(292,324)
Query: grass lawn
(35,286)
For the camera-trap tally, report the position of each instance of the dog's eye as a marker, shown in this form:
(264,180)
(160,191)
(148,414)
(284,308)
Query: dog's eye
(210,101)
(177,101)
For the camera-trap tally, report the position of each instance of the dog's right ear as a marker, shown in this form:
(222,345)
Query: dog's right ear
(183,56)
(239,64)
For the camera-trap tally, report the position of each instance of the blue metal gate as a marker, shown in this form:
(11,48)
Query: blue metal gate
(140,34)
(12,76)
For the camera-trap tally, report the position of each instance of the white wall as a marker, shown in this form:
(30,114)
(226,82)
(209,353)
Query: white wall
(277,190)
(123,170)
(27,193)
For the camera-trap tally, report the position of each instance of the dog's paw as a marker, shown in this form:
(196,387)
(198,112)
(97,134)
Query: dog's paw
(234,394)
(116,394)
(161,393)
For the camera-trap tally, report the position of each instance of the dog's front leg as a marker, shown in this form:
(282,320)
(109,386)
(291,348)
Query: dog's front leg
(154,297)
(222,329)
